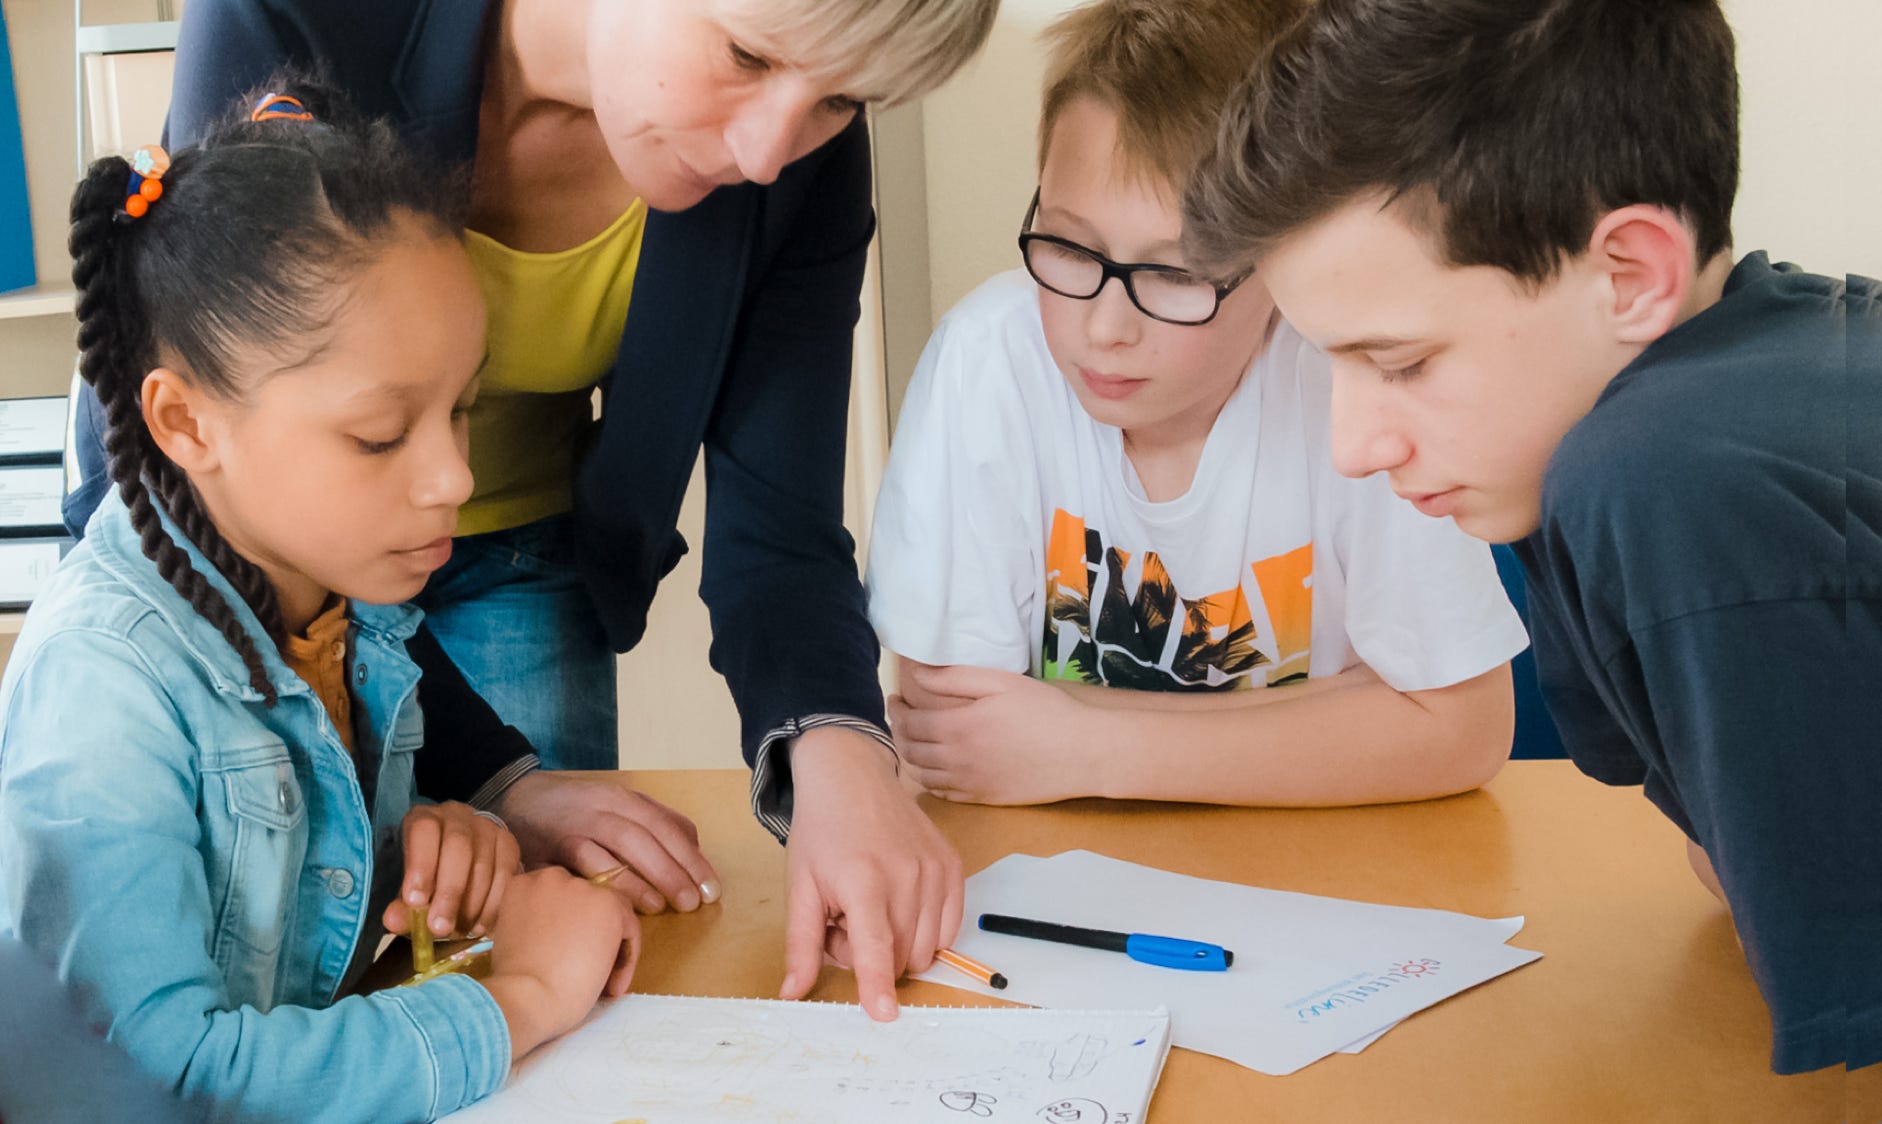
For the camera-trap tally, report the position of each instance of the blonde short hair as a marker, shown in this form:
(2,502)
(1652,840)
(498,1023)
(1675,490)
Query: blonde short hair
(885,52)
(1166,68)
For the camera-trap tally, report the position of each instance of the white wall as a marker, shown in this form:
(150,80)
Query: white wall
(1812,148)
(1811,73)
(979,131)
(675,712)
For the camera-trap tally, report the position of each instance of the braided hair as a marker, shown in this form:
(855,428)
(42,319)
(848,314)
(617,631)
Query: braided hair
(247,255)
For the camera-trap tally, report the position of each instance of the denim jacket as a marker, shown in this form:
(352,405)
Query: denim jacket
(208,871)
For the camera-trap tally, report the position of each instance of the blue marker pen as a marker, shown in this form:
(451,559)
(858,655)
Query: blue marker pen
(1164,952)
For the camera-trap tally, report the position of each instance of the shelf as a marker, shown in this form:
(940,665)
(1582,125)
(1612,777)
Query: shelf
(40,300)
(126,38)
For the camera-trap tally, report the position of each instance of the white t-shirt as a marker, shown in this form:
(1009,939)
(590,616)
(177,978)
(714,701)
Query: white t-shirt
(1007,514)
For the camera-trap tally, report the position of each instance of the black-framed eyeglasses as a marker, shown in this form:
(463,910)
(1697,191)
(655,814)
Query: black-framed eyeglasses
(1161,292)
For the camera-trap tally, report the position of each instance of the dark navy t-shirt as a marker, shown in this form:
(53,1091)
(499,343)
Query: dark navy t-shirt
(1705,592)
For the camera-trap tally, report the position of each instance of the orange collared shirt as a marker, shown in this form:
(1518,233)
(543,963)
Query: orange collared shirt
(319,657)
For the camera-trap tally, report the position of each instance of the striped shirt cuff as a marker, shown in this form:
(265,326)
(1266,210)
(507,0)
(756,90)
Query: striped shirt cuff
(497,785)
(771,791)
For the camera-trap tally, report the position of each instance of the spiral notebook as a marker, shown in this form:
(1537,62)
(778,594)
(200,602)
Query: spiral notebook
(665,1059)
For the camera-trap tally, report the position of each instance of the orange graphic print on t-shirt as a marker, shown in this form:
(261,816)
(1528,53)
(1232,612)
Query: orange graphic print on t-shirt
(1155,639)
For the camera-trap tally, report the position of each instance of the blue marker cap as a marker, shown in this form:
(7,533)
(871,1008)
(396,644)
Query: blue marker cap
(1174,952)
(1145,948)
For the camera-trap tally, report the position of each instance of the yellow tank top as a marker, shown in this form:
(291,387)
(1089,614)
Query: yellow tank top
(555,323)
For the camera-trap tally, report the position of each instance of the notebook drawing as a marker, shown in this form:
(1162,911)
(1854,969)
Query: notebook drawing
(680,1060)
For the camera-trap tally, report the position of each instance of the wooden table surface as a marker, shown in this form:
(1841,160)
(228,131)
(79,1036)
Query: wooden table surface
(1640,1010)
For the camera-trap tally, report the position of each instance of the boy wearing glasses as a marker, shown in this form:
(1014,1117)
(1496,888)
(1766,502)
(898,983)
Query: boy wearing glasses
(1110,521)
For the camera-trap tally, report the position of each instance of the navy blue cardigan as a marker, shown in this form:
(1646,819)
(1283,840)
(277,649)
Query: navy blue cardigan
(738,340)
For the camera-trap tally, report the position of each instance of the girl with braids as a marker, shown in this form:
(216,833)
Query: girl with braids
(670,205)
(208,726)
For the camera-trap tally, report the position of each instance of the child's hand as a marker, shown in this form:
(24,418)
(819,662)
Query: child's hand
(460,863)
(560,942)
(992,737)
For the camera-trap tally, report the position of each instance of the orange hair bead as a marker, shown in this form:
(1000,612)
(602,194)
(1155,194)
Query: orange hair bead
(148,164)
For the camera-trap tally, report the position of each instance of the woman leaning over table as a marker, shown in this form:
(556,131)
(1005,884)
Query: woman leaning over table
(669,199)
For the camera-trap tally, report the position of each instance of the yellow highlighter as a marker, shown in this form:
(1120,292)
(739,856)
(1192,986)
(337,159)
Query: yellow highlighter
(422,955)
(472,960)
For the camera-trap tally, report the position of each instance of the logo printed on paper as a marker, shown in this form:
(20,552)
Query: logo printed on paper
(1356,990)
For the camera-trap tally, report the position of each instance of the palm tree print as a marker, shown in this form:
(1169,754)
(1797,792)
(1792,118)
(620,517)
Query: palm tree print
(1130,644)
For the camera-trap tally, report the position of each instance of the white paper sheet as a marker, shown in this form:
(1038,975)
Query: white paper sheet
(1510,925)
(1312,975)
(25,564)
(1360,1046)
(30,496)
(32,427)
(678,1060)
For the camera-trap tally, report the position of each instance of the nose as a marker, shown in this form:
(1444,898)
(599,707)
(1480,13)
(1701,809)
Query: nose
(1366,438)
(1112,321)
(441,474)
(768,131)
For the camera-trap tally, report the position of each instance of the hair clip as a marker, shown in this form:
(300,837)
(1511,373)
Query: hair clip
(148,164)
(279,107)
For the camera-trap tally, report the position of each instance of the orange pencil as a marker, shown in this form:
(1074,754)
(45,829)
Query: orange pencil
(603,877)
(966,965)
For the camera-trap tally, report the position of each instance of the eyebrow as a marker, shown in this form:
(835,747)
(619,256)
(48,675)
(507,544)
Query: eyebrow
(1168,245)
(760,43)
(404,392)
(768,49)
(393,392)
(1370,343)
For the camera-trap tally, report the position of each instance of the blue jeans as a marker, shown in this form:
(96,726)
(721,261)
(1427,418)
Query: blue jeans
(511,611)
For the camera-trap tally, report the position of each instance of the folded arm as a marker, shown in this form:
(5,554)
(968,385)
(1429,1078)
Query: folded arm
(1001,737)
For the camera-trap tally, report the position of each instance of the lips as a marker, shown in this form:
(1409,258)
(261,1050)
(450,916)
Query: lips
(431,555)
(722,179)
(1434,504)
(1110,387)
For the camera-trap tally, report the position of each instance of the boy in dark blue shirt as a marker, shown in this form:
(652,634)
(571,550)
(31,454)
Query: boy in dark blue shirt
(1508,223)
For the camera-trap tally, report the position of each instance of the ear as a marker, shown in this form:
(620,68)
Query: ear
(176,414)
(1647,255)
